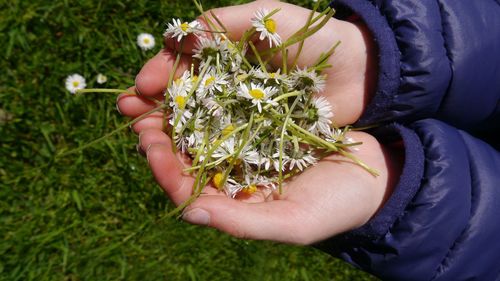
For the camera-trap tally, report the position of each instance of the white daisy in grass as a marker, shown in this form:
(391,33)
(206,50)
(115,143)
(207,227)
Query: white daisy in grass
(75,82)
(258,94)
(212,83)
(145,41)
(306,79)
(320,112)
(181,29)
(267,27)
(101,78)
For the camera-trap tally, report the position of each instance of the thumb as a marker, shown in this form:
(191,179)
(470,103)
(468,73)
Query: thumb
(289,19)
(275,220)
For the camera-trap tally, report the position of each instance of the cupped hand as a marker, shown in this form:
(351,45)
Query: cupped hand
(334,196)
(350,80)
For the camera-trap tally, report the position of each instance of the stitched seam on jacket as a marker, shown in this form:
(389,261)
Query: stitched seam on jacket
(448,57)
(458,240)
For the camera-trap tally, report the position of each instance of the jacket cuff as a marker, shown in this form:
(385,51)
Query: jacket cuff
(388,56)
(406,188)
(414,71)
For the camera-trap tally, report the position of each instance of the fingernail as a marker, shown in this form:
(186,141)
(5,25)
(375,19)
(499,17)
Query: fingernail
(147,151)
(140,150)
(197,216)
(118,109)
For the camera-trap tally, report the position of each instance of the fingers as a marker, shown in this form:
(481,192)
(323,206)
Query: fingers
(133,105)
(273,220)
(153,78)
(166,166)
(153,121)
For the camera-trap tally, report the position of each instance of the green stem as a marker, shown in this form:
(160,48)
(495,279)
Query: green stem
(97,90)
(85,146)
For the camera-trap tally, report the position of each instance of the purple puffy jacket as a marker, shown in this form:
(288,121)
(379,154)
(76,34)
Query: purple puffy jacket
(439,92)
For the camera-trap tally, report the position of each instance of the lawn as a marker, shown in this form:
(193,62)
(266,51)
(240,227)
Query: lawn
(93,215)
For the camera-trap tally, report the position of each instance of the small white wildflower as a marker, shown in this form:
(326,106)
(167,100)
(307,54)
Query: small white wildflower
(75,82)
(145,41)
(180,29)
(275,77)
(211,83)
(267,27)
(285,159)
(258,94)
(302,161)
(321,113)
(214,108)
(334,135)
(217,49)
(182,85)
(101,78)
(307,80)
(228,148)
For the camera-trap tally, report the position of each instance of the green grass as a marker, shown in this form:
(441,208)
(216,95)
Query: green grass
(91,215)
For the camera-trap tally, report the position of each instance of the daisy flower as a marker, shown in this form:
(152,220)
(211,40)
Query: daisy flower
(206,48)
(182,85)
(274,77)
(275,160)
(145,41)
(211,83)
(321,113)
(214,108)
(101,78)
(228,148)
(267,27)
(334,135)
(302,161)
(75,82)
(307,79)
(258,94)
(179,30)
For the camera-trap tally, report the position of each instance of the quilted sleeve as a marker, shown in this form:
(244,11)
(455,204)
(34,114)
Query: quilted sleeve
(437,59)
(442,220)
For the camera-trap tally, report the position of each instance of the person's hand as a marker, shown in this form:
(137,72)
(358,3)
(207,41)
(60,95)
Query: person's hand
(350,80)
(331,197)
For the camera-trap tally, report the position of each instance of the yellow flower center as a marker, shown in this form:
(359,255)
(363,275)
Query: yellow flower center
(272,75)
(249,189)
(217,180)
(270,25)
(209,81)
(146,41)
(257,94)
(227,130)
(76,83)
(181,101)
(184,26)
(195,78)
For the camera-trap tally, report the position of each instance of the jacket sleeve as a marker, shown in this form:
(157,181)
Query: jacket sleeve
(442,220)
(437,59)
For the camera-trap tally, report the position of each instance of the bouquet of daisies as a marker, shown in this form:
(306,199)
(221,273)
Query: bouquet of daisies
(245,124)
